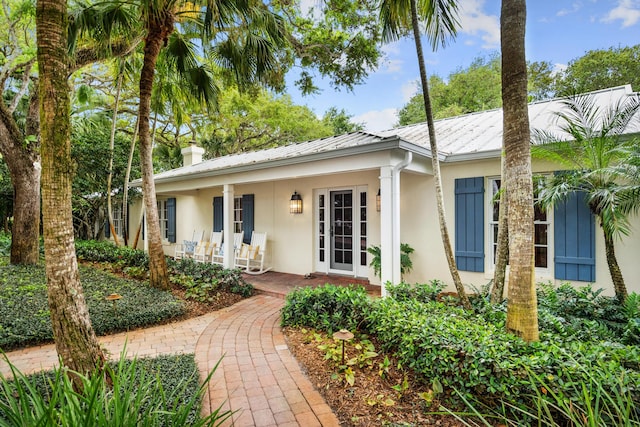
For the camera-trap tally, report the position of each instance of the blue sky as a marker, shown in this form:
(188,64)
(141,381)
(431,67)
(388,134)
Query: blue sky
(557,31)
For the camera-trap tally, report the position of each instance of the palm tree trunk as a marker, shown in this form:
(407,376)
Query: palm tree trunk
(125,191)
(74,337)
(614,269)
(502,249)
(158,30)
(112,139)
(522,307)
(444,231)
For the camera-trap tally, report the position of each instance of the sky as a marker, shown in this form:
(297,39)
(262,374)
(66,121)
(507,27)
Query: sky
(557,31)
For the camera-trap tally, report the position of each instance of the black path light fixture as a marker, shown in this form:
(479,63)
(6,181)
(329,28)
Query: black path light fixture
(295,204)
(343,335)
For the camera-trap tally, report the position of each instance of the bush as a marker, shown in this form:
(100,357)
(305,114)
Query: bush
(327,308)
(24,310)
(106,251)
(202,279)
(153,392)
(485,364)
(423,292)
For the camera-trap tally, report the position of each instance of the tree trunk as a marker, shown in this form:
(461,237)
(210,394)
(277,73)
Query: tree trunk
(125,191)
(522,307)
(444,231)
(74,337)
(160,27)
(112,139)
(502,249)
(23,162)
(614,269)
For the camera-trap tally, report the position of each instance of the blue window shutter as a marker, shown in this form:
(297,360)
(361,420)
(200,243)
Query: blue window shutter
(574,239)
(218,213)
(469,211)
(247,216)
(171,219)
(107,229)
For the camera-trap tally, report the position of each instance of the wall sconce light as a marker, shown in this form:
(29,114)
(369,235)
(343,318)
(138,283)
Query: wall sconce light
(378,201)
(295,204)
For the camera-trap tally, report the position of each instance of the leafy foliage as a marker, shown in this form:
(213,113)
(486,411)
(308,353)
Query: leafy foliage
(475,360)
(405,258)
(327,308)
(423,292)
(163,391)
(24,311)
(202,279)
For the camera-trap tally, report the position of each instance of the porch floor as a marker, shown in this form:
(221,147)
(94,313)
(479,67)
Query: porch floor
(280,284)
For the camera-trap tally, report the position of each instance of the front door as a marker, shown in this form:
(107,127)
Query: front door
(341,230)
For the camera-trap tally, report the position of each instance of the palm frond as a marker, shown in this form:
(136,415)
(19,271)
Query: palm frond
(441,19)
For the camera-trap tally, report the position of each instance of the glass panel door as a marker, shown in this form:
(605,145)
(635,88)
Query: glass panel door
(341,230)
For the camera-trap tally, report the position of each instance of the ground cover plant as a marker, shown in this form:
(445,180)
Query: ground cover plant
(464,361)
(106,269)
(24,311)
(161,391)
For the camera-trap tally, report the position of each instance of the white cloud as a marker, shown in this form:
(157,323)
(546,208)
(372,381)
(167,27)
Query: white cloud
(628,11)
(474,21)
(408,90)
(390,66)
(558,68)
(576,6)
(378,120)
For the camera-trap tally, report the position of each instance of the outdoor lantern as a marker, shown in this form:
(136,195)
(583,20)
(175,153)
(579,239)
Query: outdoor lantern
(295,205)
(378,201)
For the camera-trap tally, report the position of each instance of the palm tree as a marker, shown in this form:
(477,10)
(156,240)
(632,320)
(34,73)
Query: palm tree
(603,164)
(75,340)
(399,17)
(522,305)
(244,36)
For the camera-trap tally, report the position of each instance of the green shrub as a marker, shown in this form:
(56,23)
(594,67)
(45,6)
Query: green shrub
(153,392)
(202,279)
(326,308)
(406,265)
(24,310)
(484,363)
(423,292)
(119,257)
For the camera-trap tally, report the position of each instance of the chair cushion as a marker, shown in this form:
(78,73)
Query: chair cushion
(244,251)
(253,251)
(189,246)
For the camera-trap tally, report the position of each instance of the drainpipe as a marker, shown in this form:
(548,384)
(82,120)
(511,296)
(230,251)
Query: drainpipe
(390,217)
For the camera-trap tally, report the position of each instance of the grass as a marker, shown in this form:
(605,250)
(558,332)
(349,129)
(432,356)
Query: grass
(24,311)
(161,391)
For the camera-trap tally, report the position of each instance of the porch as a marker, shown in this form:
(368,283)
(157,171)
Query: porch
(279,284)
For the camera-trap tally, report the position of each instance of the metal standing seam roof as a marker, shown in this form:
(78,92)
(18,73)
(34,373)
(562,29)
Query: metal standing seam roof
(468,134)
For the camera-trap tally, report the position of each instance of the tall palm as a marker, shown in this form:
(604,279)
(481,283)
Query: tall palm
(244,36)
(603,164)
(398,17)
(75,340)
(522,306)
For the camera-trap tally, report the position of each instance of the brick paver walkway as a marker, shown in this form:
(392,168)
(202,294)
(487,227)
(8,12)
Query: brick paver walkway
(258,377)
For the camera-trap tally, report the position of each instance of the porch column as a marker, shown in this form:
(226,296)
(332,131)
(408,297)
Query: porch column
(227,226)
(386,228)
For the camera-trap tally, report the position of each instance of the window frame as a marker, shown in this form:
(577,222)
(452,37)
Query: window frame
(492,225)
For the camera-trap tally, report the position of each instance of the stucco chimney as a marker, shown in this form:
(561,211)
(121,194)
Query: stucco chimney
(192,154)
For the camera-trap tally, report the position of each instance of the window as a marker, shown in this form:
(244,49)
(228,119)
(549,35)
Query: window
(243,213)
(363,228)
(237,214)
(118,220)
(163,216)
(540,222)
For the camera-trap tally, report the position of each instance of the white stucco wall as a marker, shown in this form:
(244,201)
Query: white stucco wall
(291,238)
